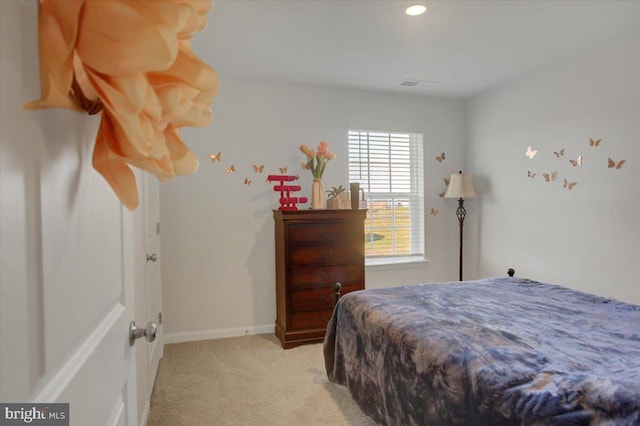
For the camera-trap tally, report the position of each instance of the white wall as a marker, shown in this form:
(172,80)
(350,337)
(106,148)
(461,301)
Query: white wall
(217,233)
(586,238)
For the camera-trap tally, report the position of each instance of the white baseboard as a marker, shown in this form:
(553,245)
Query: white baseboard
(190,336)
(145,414)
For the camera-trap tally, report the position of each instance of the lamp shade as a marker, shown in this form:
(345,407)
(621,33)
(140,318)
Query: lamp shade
(460,186)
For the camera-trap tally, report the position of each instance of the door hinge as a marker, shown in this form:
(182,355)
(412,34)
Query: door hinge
(157,228)
(159,317)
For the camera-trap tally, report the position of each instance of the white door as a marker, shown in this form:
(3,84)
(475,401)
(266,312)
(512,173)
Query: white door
(66,251)
(148,289)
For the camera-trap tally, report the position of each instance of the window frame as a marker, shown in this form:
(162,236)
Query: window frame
(359,144)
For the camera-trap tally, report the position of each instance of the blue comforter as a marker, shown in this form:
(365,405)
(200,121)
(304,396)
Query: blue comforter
(495,351)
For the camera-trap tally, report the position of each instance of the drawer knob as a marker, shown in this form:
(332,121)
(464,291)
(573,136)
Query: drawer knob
(326,234)
(325,256)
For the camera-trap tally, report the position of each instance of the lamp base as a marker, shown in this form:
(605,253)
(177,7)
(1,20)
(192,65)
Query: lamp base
(461,213)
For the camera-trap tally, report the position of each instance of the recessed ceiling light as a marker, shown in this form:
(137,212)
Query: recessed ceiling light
(415,10)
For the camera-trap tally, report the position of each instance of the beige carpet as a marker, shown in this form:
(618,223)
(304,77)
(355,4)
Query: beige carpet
(248,381)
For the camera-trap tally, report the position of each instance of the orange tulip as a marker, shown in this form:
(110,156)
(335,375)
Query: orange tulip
(132,58)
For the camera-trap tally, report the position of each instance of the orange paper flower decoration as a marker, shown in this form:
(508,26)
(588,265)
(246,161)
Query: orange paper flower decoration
(131,60)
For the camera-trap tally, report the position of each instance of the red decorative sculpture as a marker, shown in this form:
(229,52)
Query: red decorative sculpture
(287,202)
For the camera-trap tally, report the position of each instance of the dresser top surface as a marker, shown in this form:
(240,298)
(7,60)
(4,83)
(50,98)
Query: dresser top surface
(318,214)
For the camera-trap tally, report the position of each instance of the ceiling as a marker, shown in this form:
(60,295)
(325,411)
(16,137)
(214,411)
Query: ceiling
(456,49)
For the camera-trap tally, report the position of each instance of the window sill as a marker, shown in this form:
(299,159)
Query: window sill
(395,263)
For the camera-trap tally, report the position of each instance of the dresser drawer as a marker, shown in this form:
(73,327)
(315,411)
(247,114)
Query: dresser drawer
(325,254)
(321,233)
(310,319)
(304,277)
(311,298)
(317,298)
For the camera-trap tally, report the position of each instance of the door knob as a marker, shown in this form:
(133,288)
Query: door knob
(149,332)
(151,257)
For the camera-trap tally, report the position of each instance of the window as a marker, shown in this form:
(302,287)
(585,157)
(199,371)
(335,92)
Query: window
(389,167)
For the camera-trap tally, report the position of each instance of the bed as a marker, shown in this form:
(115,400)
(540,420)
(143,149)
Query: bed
(489,352)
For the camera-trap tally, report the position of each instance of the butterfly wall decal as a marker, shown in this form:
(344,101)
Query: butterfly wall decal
(530,152)
(440,158)
(247,181)
(559,154)
(283,169)
(549,177)
(531,174)
(441,194)
(446,181)
(612,164)
(569,185)
(215,157)
(258,169)
(577,161)
(434,212)
(230,169)
(594,142)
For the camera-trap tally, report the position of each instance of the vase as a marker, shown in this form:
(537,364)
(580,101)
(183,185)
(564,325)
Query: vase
(317,194)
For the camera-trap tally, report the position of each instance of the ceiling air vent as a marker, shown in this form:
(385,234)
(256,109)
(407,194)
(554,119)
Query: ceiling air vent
(413,83)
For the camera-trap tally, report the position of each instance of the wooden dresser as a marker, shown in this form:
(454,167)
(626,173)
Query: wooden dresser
(314,250)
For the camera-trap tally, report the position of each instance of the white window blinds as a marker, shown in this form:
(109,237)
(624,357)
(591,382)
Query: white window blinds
(389,167)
